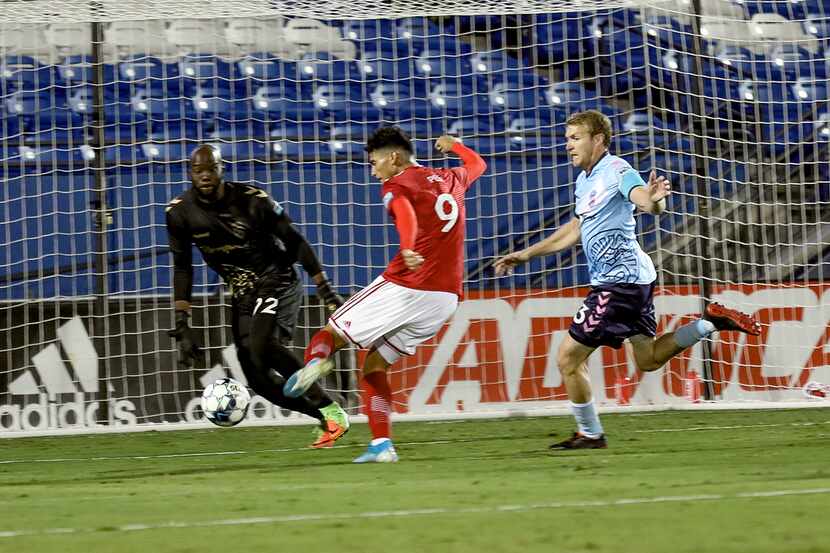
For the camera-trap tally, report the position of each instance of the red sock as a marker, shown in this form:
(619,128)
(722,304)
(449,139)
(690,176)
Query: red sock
(320,345)
(378,400)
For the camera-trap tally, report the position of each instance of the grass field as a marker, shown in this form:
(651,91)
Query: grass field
(755,481)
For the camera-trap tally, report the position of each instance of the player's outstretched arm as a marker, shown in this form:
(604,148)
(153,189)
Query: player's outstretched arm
(180,246)
(565,236)
(652,198)
(473,163)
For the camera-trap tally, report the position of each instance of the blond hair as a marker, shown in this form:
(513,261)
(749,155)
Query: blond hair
(596,122)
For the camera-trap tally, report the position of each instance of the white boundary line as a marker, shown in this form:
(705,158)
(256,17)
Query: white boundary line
(526,410)
(428,442)
(366,515)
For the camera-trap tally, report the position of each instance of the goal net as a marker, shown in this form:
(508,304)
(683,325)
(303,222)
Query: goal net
(103,101)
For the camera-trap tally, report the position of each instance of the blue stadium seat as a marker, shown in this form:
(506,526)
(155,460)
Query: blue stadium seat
(807,89)
(347,149)
(298,131)
(399,102)
(206,69)
(439,64)
(571,96)
(476,126)
(375,37)
(148,71)
(432,127)
(238,130)
(458,98)
(668,32)
(169,151)
(322,67)
(558,37)
(220,103)
(39,111)
(26,73)
(818,25)
(505,97)
(80,69)
(386,70)
(353,131)
(302,151)
(796,61)
(273,104)
(419,34)
(343,102)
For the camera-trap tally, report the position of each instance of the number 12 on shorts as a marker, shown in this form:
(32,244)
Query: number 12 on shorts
(270,306)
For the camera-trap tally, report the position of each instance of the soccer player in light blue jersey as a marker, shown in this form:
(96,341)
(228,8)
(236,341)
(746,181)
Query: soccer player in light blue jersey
(620,304)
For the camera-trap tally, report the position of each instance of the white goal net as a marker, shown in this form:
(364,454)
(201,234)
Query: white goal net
(103,101)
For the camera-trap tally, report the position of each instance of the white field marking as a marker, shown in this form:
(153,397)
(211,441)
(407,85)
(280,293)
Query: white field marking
(733,427)
(328,517)
(210,453)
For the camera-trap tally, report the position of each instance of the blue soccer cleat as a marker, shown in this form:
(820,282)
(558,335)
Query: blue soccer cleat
(384,452)
(299,382)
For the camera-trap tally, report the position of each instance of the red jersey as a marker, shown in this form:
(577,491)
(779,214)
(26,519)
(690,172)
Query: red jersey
(437,197)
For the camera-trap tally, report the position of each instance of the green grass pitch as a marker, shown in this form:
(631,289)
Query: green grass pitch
(728,481)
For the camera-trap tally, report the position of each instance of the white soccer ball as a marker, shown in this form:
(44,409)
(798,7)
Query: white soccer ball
(225,402)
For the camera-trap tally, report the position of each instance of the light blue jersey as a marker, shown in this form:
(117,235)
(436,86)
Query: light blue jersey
(606,218)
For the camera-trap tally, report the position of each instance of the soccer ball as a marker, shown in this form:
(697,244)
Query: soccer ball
(225,402)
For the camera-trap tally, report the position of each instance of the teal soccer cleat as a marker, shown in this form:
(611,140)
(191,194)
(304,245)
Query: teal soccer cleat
(384,452)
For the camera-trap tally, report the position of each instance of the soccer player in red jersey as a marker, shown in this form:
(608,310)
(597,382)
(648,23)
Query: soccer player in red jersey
(420,288)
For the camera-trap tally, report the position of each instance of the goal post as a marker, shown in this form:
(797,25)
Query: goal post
(102,103)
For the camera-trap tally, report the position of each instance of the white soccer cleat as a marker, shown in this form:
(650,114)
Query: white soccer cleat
(384,452)
(301,381)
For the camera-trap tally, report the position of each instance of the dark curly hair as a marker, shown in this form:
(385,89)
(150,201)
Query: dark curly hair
(389,137)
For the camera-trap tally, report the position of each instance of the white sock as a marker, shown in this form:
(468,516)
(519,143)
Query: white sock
(377,441)
(692,333)
(587,420)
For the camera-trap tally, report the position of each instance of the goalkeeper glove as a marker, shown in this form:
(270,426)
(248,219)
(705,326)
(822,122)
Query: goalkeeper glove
(189,349)
(331,299)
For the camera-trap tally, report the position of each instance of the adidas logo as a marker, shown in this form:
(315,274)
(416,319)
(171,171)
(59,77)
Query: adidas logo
(51,379)
(54,375)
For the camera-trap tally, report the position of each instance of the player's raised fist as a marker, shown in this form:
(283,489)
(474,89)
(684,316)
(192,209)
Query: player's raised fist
(446,142)
(505,265)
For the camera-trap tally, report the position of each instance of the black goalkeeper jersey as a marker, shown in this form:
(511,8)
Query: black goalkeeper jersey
(242,237)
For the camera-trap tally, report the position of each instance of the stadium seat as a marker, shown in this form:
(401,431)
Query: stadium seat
(419,34)
(818,26)
(807,89)
(69,38)
(238,130)
(504,97)
(439,64)
(170,151)
(312,36)
(343,102)
(399,102)
(775,28)
(324,68)
(423,128)
(796,61)
(254,34)
(150,72)
(457,98)
(476,126)
(197,35)
(207,70)
(352,131)
(386,70)
(26,73)
(78,69)
(220,103)
(273,103)
(131,36)
(301,151)
(572,96)
(307,130)
(375,38)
